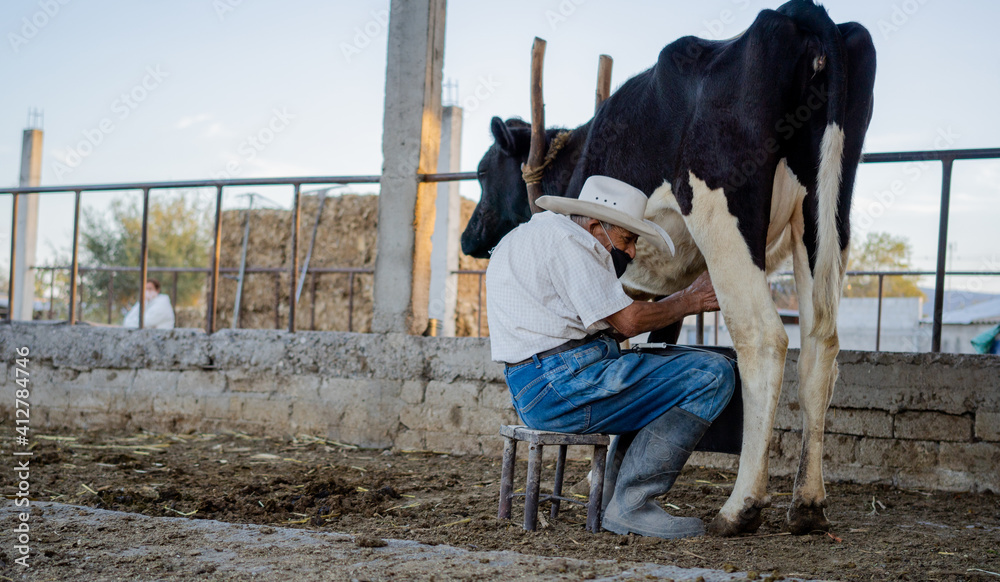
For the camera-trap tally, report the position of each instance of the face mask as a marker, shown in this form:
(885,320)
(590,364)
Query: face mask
(620,258)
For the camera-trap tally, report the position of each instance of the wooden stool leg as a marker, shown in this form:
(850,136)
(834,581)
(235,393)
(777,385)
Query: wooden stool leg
(507,477)
(531,490)
(557,490)
(596,489)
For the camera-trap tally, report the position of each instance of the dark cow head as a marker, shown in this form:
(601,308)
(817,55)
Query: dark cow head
(504,201)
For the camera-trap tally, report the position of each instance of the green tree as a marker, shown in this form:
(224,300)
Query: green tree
(881,251)
(178,236)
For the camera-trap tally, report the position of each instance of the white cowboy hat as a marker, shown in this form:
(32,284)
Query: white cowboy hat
(612,201)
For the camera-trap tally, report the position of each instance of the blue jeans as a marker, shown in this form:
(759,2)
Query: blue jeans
(597,388)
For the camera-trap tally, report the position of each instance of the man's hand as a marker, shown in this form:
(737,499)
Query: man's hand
(643,316)
(701,295)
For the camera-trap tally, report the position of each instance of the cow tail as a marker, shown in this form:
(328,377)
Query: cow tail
(828,273)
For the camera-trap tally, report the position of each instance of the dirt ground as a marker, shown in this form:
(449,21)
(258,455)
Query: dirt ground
(880,533)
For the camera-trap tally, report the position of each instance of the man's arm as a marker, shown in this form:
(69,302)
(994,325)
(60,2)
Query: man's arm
(643,316)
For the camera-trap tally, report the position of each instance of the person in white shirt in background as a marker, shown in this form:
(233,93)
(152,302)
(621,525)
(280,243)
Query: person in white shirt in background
(159,312)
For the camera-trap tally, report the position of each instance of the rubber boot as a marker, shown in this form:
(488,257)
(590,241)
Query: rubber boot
(616,453)
(649,469)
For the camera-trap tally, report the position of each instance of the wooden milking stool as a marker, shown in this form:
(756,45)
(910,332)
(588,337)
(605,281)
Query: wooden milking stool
(537,440)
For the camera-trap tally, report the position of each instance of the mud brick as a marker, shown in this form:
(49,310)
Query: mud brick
(123,379)
(158,381)
(186,406)
(140,401)
(484,421)
(714,460)
(410,440)
(313,416)
(977,458)
(447,394)
(932,426)
(97,399)
(495,396)
(858,474)
(274,414)
(492,446)
(415,417)
(201,382)
(448,443)
(876,423)
(913,455)
(253,380)
(221,407)
(413,392)
(988,425)
(840,449)
(787,415)
(301,387)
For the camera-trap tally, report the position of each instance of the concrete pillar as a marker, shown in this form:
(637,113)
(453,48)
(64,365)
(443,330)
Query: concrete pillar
(27,226)
(445,241)
(411,135)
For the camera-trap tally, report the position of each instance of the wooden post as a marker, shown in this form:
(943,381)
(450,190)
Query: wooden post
(536,153)
(604,63)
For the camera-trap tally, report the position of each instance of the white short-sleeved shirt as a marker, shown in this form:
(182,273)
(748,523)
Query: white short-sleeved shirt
(548,281)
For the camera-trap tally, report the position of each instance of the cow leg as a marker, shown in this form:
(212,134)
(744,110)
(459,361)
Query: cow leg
(817,374)
(760,341)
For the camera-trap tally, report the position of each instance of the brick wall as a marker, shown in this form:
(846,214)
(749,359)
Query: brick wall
(915,420)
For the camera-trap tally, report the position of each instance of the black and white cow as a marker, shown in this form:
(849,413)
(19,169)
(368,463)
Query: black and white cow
(748,150)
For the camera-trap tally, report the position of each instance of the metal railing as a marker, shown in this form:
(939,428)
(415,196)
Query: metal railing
(700,318)
(313,272)
(946,157)
(213,269)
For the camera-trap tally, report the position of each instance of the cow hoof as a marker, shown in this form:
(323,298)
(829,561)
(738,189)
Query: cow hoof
(804,518)
(748,520)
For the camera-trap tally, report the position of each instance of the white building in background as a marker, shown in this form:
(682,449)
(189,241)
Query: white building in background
(904,327)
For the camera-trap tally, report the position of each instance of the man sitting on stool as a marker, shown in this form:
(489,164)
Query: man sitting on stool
(553,296)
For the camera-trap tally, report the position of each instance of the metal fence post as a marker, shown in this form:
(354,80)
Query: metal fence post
(143,257)
(312,316)
(878,321)
(296,216)
(213,274)
(13,257)
(52,293)
(111,295)
(350,302)
(942,253)
(74,273)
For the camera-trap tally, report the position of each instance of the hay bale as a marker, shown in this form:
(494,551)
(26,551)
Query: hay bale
(467,315)
(347,237)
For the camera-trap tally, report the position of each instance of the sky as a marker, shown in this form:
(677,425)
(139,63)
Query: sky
(192,89)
